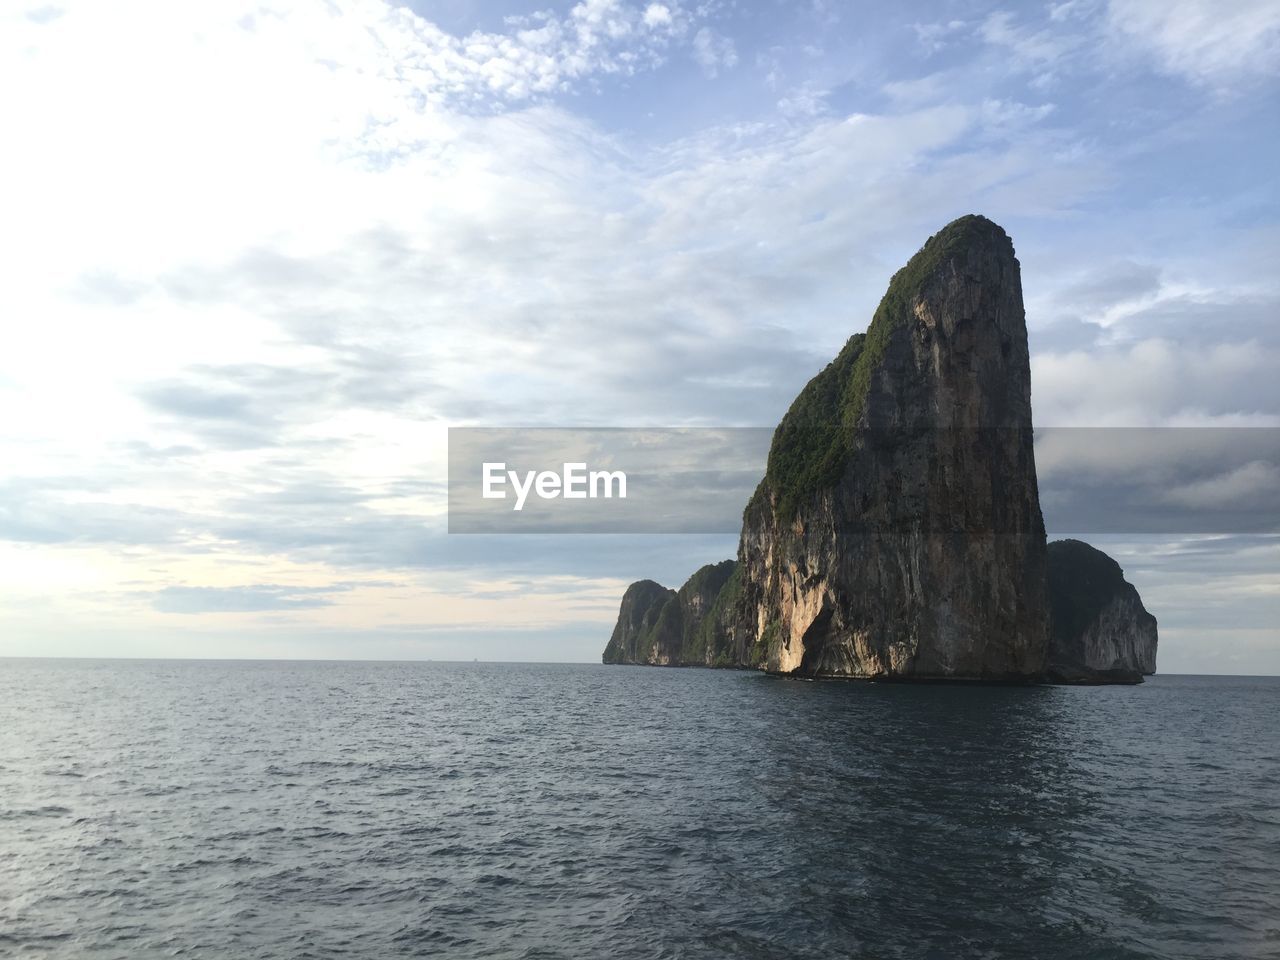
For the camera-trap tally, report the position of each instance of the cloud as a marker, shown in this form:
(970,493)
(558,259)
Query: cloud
(185,401)
(1206,42)
(250,300)
(935,36)
(713,52)
(1041,51)
(1252,486)
(1156,382)
(1159,480)
(1067,335)
(1111,285)
(540,234)
(519,267)
(217,417)
(657,15)
(804,102)
(256,598)
(1211,45)
(36,512)
(1134,343)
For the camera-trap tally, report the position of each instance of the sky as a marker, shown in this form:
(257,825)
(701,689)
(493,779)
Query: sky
(259,257)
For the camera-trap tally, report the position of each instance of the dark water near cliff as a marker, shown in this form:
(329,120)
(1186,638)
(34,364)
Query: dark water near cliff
(474,810)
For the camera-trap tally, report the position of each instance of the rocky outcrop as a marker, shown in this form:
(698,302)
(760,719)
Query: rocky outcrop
(632,640)
(1100,631)
(666,627)
(897,532)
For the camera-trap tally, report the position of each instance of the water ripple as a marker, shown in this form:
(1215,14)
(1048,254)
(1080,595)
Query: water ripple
(312,810)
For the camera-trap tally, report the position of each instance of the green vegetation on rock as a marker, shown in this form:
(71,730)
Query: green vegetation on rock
(641,606)
(812,444)
(766,643)
(711,631)
(709,579)
(668,626)
(1081,580)
(810,447)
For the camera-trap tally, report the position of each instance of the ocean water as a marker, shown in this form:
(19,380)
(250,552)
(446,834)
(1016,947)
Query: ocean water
(381,810)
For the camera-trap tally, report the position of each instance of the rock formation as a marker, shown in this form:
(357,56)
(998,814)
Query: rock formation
(1099,630)
(671,628)
(632,640)
(897,532)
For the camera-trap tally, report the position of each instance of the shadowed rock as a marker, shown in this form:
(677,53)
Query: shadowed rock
(1100,631)
(671,628)
(632,638)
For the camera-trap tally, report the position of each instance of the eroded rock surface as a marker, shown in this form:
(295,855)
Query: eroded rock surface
(681,627)
(897,532)
(1100,631)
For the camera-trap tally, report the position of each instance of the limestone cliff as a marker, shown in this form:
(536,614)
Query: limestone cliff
(1100,631)
(897,532)
(674,628)
(632,640)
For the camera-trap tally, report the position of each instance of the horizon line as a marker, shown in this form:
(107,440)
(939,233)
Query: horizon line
(1163,673)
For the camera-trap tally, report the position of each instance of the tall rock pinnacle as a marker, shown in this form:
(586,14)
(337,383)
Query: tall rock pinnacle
(897,532)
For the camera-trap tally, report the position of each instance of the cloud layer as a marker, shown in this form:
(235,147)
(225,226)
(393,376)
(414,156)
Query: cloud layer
(244,304)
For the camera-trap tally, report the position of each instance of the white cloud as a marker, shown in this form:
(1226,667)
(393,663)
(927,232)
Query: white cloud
(657,15)
(804,102)
(1071,8)
(1026,47)
(713,52)
(933,37)
(230,303)
(997,114)
(1206,41)
(309,213)
(1156,382)
(1212,44)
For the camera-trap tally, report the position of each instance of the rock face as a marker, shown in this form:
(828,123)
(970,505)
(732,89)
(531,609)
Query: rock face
(1100,631)
(897,532)
(673,628)
(632,635)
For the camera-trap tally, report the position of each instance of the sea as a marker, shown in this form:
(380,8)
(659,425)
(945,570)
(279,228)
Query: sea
(247,809)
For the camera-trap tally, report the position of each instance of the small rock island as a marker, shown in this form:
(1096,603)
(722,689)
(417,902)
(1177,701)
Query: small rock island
(1099,630)
(897,533)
